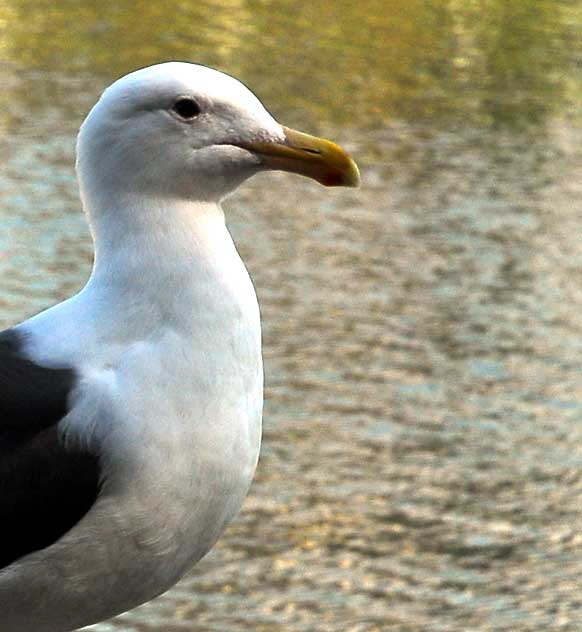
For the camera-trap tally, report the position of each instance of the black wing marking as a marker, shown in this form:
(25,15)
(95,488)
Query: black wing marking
(45,488)
(32,397)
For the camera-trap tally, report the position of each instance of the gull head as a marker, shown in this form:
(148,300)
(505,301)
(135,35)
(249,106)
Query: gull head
(184,131)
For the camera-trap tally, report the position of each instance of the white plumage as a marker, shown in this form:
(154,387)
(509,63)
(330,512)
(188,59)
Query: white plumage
(163,343)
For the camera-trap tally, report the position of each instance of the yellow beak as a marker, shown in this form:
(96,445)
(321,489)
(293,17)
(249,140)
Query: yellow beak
(309,156)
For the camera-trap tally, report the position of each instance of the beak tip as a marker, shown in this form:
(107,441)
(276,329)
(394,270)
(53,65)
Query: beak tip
(348,176)
(354,179)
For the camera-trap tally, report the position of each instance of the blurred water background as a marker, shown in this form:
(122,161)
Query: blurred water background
(422,461)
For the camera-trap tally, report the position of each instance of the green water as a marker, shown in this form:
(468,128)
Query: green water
(357,64)
(422,461)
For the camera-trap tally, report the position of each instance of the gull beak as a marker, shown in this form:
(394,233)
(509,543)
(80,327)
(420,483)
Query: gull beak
(309,156)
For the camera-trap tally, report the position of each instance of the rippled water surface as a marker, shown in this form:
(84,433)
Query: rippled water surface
(422,462)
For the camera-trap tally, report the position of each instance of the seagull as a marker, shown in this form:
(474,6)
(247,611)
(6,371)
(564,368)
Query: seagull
(130,414)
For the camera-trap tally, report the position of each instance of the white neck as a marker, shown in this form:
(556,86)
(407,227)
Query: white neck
(161,265)
(141,239)
(169,263)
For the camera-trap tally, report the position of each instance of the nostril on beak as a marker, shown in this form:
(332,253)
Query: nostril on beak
(311,151)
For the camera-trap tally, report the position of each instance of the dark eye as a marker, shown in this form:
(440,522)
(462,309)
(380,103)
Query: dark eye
(186,108)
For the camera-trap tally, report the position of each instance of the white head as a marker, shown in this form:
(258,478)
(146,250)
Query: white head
(172,130)
(183,131)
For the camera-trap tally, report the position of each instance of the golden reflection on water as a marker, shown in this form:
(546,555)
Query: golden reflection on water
(359,63)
